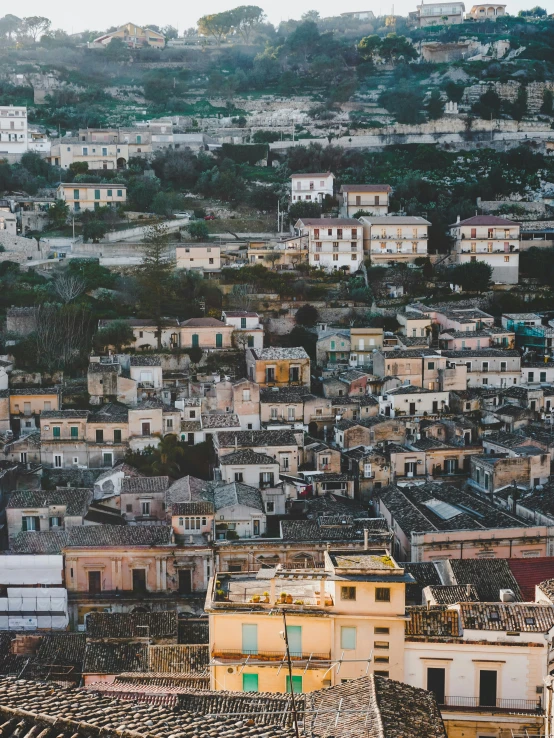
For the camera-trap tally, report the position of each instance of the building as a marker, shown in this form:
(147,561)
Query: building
(489,11)
(413,401)
(106,382)
(27,404)
(208,334)
(80,196)
(13,130)
(278,367)
(35,510)
(528,469)
(488,367)
(333,243)
(204,257)
(439,14)
(333,346)
(132,36)
(363,344)
(370,199)
(530,333)
(394,238)
(490,239)
(248,330)
(311,187)
(285,446)
(353,606)
(63,436)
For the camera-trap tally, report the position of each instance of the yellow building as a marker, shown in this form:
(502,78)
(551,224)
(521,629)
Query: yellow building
(132,36)
(278,367)
(342,622)
(79,196)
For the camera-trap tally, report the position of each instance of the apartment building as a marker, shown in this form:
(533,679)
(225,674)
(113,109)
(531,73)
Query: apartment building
(394,238)
(333,243)
(492,240)
(351,609)
(80,196)
(13,130)
(311,187)
(439,14)
(529,333)
(488,367)
(63,435)
(372,199)
(489,11)
(283,445)
(364,342)
(278,367)
(413,401)
(201,256)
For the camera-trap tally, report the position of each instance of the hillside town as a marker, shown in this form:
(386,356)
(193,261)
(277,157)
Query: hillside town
(277,376)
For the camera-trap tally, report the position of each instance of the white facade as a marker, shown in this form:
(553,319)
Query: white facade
(246,324)
(538,374)
(311,187)
(403,401)
(333,243)
(490,367)
(434,14)
(13,129)
(492,240)
(394,238)
(149,377)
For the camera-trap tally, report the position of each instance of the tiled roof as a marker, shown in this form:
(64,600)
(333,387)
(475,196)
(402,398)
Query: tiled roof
(139,485)
(39,542)
(236,493)
(436,620)
(187,489)
(488,576)
(132,625)
(251,438)
(246,456)
(484,352)
(548,588)
(269,395)
(145,360)
(276,353)
(76,501)
(373,707)
(366,188)
(63,648)
(350,530)
(111,657)
(119,535)
(76,414)
(193,630)
(98,367)
(485,220)
(192,508)
(183,659)
(395,220)
(425,573)
(531,572)
(512,616)
(20,391)
(220,420)
(203,323)
(110,413)
(451,594)
(307,175)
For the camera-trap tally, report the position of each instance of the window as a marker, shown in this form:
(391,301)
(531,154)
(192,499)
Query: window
(58,461)
(74,431)
(107,459)
(117,436)
(542,377)
(169,423)
(296,684)
(381,659)
(485,366)
(218,340)
(75,194)
(436,683)
(270,374)
(192,414)
(354,257)
(195,340)
(348,638)
(273,413)
(266,479)
(99,435)
(335,257)
(146,429)
(249,682)
(382,594)
(56,431)
(104,151)
(367,471)
(290,413)
(238,476)
(348,593)
(47,405)
(294,638)
(30,522)
(55,522)
(506,258)
(270,507)
(128,508)
(487,687)
(109,193)
(316,232)
(382,674)
(85,150)
(94,582)
(120,193)
(316,257)
(23,457)
(339,233)
(97,194)
(378,630)
(381,645)
(145,507)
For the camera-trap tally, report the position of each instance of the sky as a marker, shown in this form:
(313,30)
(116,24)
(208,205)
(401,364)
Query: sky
(108,13)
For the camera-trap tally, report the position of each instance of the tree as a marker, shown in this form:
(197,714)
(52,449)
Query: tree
(58,213)
(404,103)
(369,47)
(217,25)
(519,107)
(117,51)
(489,104)
(246,18)
(454,92)
(310,15)
(9,25)
(117,333)
(167,455)
(307,315)
(536,12)
(78,167)
(475,276)
(36,26)
(63,335)
(198,229)
(394,48)
(170,32)
(547,101)
(68,286)
(304,209)
(142,191)
(242,295)
(155,275)
(435,106)
(272,257)
(94,230)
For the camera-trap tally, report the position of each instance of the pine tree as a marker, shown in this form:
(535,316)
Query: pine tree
(155,275)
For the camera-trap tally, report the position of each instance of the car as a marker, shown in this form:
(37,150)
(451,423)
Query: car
(182,216)
(209,217)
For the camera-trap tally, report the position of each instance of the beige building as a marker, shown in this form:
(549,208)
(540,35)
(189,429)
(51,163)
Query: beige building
(492,240)
(79,196)
(351,609)
(363,343)
(208,334)
(489,11)
(333,243)
(285,446)
(439,14)
(63,438)
(26,406)
(36,510)
(278,367)
(394,238)
(206,257)
(132,36)
(149,421)
(372,199)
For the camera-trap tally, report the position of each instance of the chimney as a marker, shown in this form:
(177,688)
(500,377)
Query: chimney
(366,539)
(468,591)
(458,219)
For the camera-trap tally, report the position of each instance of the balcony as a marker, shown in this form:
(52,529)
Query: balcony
(268,656)
(471,704)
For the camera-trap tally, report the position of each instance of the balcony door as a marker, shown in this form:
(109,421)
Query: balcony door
(294,636)
(94,582)
(185,581)
(249,639)
(435,683)
(139,580)
(487,688)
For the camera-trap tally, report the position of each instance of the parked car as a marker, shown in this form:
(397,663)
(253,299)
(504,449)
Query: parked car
(209,217)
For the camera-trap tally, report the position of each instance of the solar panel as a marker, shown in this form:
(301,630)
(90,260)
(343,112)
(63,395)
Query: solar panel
(442,509)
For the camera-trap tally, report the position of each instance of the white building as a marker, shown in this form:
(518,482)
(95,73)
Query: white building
(372,199)
(333,243)
(394,238)
(439,14)
(410,400)
(490,239)
(311,187)
(203,256)
(488,367)
(246,324)
(13,130)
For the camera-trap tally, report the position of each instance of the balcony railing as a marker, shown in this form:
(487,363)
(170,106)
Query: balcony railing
(257,655)
(507,705)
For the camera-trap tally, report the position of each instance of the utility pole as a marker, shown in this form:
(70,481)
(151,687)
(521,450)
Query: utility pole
(293,702)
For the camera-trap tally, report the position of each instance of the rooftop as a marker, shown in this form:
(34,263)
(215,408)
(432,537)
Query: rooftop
(507,616)
(76,501)
(277,353)
(246,456)
(118,535)
(478,220)
(132,625)
(366,188)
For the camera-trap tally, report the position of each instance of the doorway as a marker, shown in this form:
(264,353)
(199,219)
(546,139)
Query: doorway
(139,580)
(435,683)
(412,408)
(185,581)
(487,687)
(94,582)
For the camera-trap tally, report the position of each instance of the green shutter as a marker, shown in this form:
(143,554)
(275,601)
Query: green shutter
(296,684)
(218,340)
(97,194)
(195,340)
(348,638)
(74,432)
(75,194)
(109,193)
(249,682)
(56,431)
(120,193)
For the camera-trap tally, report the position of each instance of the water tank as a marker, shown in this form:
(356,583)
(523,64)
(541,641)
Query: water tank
(507,595)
